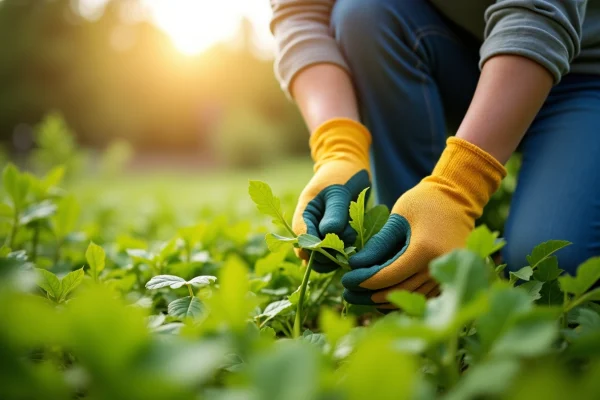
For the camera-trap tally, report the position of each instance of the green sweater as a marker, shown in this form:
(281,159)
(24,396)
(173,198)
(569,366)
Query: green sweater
(561,35)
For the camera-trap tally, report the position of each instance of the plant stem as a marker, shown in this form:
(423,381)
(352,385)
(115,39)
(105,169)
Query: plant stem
(303,285)
(332,258)
(289,228)
(289,328)
(324,288)
(449,361)
(191,291)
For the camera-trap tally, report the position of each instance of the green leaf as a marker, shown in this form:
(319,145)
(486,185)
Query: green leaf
(140,255)
(551,295)
(50,283)
(588,274)
(464,277)
(70,283)
(547,270)
(203,280)
(375,219)
(506,304)
(462,270)
(66,216)
(331,241)
(357,218)
(533,289)
(532,335)
(284,371)
(545,250)
(37,212)
(96,258)
(592,295)
(161,281)
(185,307)
(268,332)
(392,375)
(154,321)
(266,202)
(10,178)
(310,242)
(587,319)
(500,268)
(485,380)
(6,211)
(231,304)
(167,249)
(484,242)
(315,339)
(295,297)
(233,363)
(16,185)
(270,263)
(342,259)
(585,339)
(335,326)
(524,274)
(276,242)
(54,177)
(411,303)
(275,308)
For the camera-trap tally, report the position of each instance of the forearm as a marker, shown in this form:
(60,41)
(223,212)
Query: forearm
(510,93)
(323,92)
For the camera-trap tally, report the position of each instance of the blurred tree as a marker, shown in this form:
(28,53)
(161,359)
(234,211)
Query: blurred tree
(116,77)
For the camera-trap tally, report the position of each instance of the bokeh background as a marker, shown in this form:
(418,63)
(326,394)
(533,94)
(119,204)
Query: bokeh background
(185,83)
(154,102)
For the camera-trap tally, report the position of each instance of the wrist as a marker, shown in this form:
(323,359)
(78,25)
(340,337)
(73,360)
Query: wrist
(340,139)
(474,174)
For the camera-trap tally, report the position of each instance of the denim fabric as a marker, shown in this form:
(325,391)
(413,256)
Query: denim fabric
(415,74)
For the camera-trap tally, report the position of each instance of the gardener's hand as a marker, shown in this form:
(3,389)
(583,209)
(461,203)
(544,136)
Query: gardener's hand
(429,220)
(340,149)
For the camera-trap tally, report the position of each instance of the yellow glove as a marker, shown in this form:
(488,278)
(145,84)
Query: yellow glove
(340,150)
(434,217)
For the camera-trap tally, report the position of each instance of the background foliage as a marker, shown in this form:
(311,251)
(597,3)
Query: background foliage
(115,77)
(161,289)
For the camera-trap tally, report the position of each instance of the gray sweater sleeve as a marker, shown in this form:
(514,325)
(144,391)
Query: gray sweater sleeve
(303,37)
(546,31)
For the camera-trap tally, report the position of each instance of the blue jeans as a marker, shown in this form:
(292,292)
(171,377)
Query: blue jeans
(415,73)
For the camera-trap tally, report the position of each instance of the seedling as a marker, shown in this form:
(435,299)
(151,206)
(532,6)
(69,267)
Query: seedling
(269,204)
(188,306)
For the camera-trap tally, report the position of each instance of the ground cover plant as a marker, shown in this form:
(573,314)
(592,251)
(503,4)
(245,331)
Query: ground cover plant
(100,305)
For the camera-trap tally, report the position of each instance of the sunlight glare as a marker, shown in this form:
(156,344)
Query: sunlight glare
(195,25)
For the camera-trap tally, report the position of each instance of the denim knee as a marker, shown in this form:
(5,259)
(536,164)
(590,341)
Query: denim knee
(354,23)
(358,25)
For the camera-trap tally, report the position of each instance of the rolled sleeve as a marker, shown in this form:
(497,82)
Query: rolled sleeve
(303,37)
(545,31)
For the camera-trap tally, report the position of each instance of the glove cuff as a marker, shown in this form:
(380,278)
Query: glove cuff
(473,174)
(340,139)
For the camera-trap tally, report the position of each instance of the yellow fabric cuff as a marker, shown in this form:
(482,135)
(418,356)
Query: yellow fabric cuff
(469,170)
(340,139)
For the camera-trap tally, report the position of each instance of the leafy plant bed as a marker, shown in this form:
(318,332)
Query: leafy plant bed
(225,310)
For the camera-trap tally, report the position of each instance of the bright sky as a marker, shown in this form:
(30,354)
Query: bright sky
(195,25)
